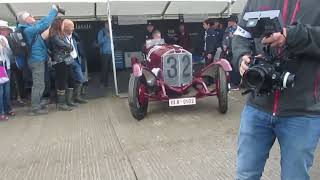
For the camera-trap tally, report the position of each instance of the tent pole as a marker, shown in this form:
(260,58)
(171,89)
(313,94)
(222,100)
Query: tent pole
(11,10)
(228,8)
(95,10)
(112,49)
(165,9)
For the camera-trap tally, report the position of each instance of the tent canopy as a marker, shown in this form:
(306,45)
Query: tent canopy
(80,9)
(128,9)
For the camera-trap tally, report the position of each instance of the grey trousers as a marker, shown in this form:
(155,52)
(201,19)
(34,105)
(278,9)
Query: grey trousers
(38,78)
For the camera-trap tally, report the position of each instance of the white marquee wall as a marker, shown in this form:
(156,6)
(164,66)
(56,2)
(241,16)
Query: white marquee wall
(78,9)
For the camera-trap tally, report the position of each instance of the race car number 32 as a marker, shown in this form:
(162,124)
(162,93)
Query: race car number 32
(182,102)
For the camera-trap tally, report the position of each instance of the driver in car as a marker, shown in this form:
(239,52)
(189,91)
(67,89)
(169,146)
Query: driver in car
(156,34)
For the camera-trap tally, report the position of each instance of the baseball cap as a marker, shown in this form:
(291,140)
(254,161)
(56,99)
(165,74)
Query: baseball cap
(233,18)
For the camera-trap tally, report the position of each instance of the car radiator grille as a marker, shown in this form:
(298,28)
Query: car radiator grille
(177,69)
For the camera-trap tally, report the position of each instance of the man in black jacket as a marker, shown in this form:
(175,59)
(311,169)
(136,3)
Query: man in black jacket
(291,116)
(227,49)
(211,38)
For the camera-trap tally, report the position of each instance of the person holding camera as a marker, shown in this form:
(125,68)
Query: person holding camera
(62,63)
(290,115)
(38,54)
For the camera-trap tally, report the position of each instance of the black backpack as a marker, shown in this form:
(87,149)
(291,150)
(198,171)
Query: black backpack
(18,43)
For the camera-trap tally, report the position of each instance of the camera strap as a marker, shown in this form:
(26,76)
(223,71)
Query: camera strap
(295,12)
(285,18)
(243,33)
(285,11)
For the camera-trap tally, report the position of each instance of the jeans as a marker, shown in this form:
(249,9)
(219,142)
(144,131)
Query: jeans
(5,99)
(298,138)
(38,78)
(77,71)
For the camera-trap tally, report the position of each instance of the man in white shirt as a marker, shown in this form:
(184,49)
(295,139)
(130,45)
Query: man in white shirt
(76,66)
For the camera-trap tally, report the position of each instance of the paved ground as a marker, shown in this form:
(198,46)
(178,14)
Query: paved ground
(100,141)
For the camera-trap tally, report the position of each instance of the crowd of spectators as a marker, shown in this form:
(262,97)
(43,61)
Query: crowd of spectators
(54,51)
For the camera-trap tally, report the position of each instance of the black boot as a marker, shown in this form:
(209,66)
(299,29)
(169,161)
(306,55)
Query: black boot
(77,95)
(61,101)
(69,98)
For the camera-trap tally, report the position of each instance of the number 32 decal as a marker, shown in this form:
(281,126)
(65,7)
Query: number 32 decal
(174,65)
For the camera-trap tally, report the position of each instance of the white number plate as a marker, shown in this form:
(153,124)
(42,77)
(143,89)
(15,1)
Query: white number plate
(182,102)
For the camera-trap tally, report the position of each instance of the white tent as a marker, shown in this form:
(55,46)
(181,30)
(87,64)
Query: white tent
(131,10)
(97,9)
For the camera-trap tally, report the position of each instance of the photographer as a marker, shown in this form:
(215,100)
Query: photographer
(38,55)
(292,116)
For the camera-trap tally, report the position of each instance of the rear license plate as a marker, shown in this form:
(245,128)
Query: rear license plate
(182,102)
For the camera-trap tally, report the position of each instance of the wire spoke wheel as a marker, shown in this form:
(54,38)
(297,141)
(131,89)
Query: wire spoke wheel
(138,98)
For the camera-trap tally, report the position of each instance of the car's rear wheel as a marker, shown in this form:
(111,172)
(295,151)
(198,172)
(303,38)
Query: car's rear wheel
(138,98)
(222,90)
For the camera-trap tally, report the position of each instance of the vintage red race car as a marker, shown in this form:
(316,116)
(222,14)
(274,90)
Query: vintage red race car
(167,74)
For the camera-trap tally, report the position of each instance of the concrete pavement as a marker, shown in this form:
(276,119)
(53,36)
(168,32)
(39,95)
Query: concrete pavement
(101,141)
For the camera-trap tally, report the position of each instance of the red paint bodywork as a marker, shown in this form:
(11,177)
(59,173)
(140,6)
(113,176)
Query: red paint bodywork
(154,60)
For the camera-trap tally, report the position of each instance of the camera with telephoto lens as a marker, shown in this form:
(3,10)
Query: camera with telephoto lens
(60,10)
(266,73)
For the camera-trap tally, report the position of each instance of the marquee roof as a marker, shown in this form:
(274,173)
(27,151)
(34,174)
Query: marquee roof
(80,9)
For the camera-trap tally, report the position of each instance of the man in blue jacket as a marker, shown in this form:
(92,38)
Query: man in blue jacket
(38,55)
(104,43)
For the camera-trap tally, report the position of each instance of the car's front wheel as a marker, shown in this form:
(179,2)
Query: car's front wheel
(222,90)
(138,98)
